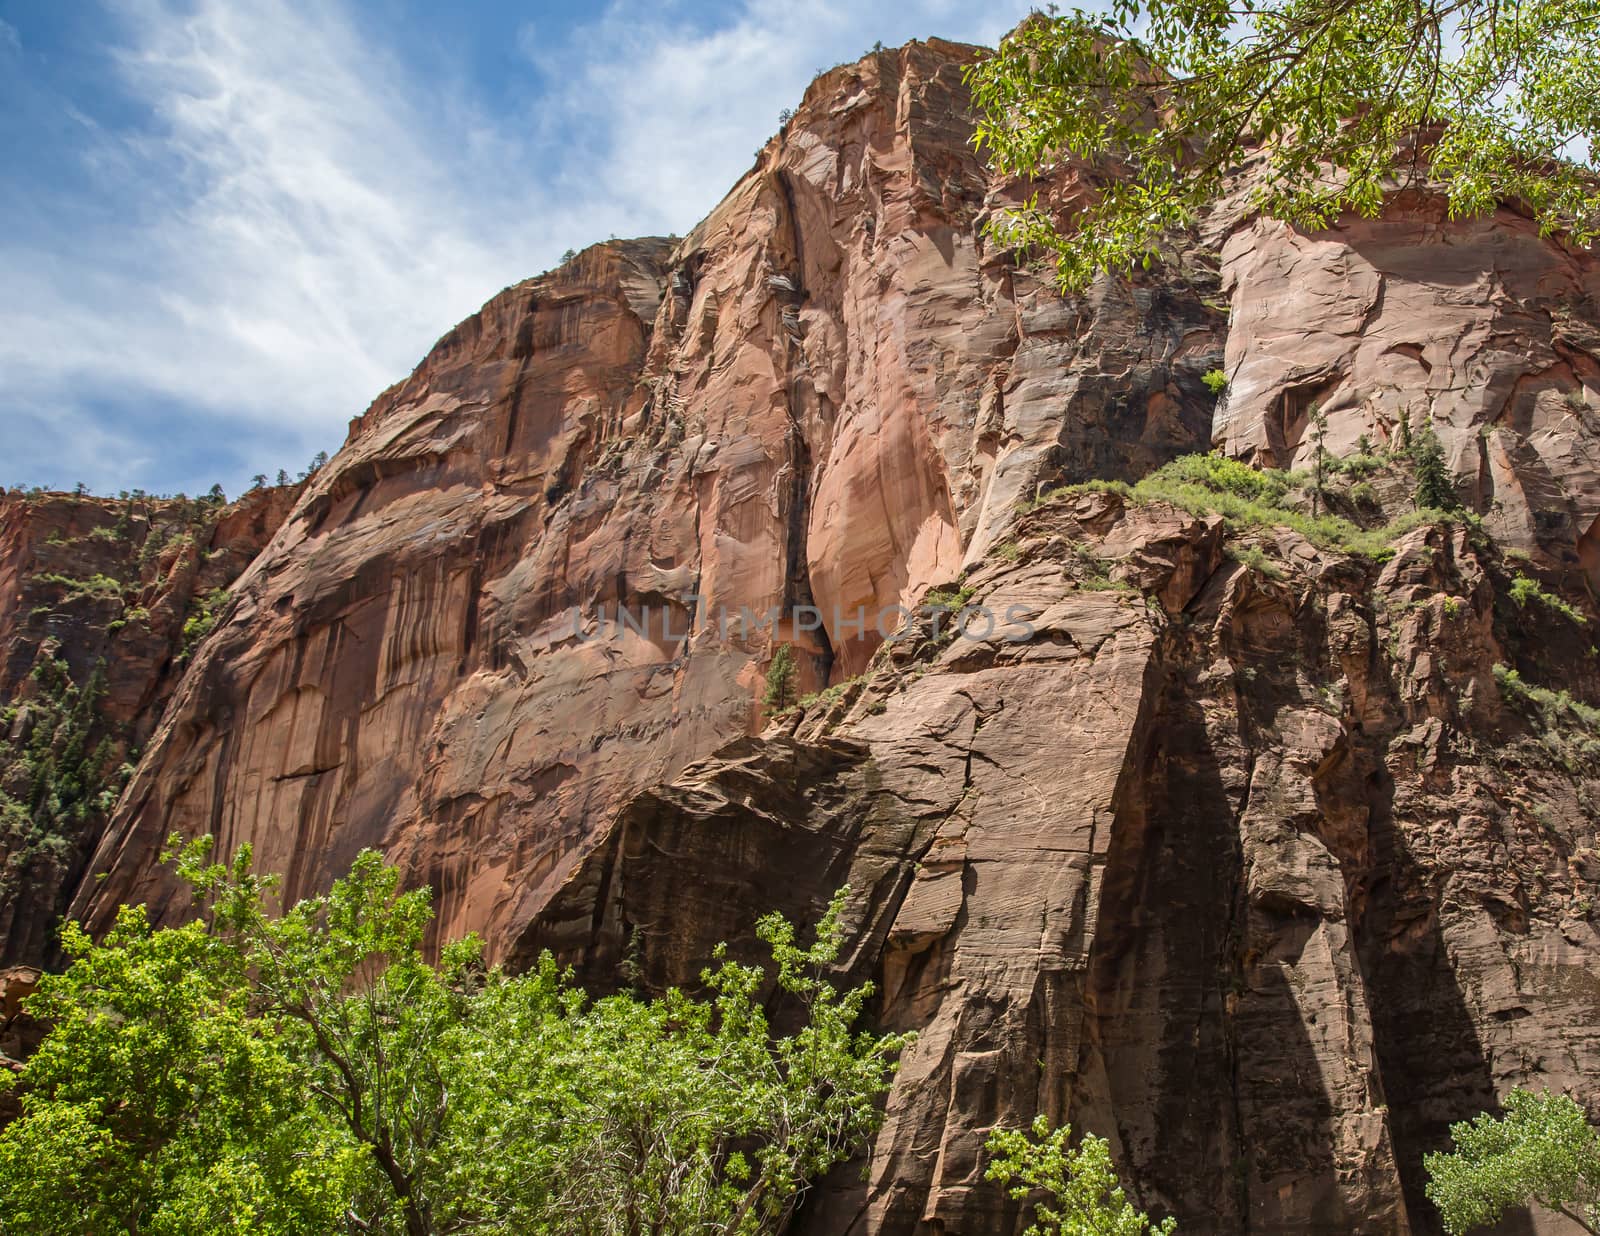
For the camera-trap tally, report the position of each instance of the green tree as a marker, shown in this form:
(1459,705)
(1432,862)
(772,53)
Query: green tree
(780,680)
(156,1104)
(1319,435)
(312,1072)
(1434,489)
(199,624)
(1080,1192)
(1543,1150)
(673,1115)
(360,1012)
(60,772)
(1162,101)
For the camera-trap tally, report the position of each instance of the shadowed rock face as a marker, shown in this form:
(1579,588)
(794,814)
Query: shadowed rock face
(1244,858)
(1257,874)
(20,1034)
(110,592)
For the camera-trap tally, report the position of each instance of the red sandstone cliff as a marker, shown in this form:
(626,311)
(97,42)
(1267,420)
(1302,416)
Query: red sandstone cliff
(1246,859)
(819,396)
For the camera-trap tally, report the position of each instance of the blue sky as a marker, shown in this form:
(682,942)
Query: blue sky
(226,225)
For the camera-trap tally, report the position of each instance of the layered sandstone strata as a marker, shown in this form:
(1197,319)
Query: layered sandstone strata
(1256,871)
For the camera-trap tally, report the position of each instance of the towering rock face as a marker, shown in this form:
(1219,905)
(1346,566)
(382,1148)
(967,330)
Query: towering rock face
(809,406)
(1264,858)
(1257,871)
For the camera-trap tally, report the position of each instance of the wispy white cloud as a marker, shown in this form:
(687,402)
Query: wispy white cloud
(294,240)
(10,40)
(680,112)
(307,214)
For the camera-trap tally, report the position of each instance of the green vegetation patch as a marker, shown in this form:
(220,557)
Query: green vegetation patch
(953,599)
(61,771)
(101,587)
(200,623)
(1361,464)
(1541,1149)
(1555,709)
(1249,497)
(829,696)
(310,1071)
(1255,558)
(1525,589)
(1071,1184)
(778,694)
(1568,729)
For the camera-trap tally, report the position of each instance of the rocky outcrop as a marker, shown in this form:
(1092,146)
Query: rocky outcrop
(1258,872)
(20,1034)
(1264,853)
(1478,329)
(111,581)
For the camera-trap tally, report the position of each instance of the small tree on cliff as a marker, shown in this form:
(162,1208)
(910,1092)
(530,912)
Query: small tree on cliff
(780,680)
(1434,489)
(1074,1191)
(1161,102)
(1319,434)
(1543,1150)
(313,1073)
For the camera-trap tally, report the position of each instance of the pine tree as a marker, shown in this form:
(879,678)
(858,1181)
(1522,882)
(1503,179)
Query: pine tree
(1433,476)
(780,680)
(1319,431)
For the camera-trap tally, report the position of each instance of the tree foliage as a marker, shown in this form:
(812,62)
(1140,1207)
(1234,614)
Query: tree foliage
(1162,101)
(1434,489)
(313,1073)
(1542,1150)
(779,693)
(205,609)
(59,770)
(1074,1190)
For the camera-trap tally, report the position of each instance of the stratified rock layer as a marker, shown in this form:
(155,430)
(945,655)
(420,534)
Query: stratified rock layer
(1241,852)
